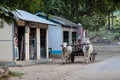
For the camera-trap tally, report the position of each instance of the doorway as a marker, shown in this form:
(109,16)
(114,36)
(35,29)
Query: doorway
(21,40)
(66,36)
(74,37)
(43,42)
(33,44)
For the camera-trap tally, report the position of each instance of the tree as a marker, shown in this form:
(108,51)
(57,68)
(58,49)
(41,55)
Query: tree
(28,5)
(86,12)
(117,29)
(6,13)
(90,13)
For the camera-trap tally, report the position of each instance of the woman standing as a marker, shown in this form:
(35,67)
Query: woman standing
(16,47)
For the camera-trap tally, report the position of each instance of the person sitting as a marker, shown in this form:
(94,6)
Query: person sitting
(79,46)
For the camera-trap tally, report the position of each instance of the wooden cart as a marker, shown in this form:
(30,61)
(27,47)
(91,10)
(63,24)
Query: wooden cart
(79,52)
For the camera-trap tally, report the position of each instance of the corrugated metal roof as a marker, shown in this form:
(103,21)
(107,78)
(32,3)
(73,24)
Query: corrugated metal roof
(65,22)
(23,15)
(60,20)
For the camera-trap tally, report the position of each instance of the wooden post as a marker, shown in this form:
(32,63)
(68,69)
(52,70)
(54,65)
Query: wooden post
(21,51)
(38,43)
(27,30)
(70,36)
(47,54)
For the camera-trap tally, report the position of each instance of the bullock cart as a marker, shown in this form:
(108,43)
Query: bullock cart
(70,51)
(76,51)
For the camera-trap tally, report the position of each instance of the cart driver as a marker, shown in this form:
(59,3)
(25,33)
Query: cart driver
(79,46)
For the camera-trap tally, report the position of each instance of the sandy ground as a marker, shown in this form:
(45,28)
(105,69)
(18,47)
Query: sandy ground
(106,67)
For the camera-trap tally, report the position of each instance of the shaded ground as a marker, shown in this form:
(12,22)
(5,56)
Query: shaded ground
(106,67)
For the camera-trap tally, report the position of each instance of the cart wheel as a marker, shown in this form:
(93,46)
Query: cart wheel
(92,57)
(72,58)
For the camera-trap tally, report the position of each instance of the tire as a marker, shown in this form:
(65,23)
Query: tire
(72,58)
(92,58)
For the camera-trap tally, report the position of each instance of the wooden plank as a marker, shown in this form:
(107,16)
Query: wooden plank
(21,23)
(70,29)
(44,26)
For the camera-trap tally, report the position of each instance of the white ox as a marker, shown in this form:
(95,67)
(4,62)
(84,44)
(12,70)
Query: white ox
(87,50)
(67,50)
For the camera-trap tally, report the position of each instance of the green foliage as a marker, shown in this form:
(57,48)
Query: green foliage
(27,5)
(117,28)
(7,15)
(94,23)
(90,13)
(53,7)
(86,12)
(11,74)
(16,74)
(103,32)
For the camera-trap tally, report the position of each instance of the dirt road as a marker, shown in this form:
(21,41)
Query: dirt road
(106,67)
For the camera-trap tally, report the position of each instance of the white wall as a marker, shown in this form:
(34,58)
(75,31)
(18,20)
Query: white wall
(55,37)
(6,44)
